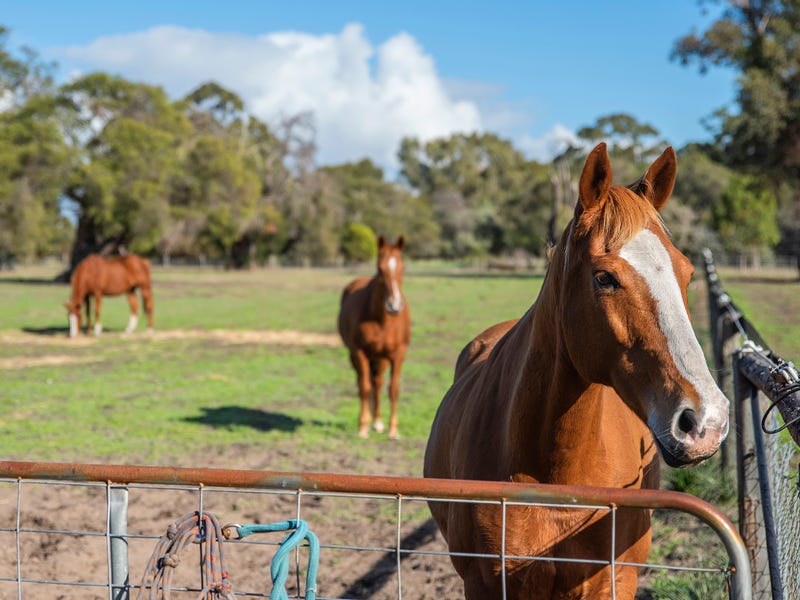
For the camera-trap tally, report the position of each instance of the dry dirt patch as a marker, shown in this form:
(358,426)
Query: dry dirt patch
(285,337)
(49,360)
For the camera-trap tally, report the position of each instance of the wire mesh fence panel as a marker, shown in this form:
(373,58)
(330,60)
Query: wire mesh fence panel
(57,543)
(787,515)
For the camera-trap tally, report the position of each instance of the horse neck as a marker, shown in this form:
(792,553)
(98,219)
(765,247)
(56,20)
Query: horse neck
(377,298)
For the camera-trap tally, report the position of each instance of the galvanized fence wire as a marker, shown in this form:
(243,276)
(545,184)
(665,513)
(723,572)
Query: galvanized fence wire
(304,504)
(787,515)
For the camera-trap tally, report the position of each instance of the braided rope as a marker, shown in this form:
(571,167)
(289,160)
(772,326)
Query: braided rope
(279,568)
(194,528)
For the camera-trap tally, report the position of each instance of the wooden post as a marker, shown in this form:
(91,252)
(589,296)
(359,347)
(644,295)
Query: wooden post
(750,523)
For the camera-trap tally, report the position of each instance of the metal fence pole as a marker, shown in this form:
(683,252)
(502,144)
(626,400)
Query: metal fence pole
(118,530)
(766,499)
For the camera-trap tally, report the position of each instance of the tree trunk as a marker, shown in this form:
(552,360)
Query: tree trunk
(240,255)
(86,243)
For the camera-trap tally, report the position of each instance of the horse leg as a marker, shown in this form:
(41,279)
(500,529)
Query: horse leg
(394,391)
(361,365)
(377,367)
(98,325)
(87,302)
(147,298)
(133,319)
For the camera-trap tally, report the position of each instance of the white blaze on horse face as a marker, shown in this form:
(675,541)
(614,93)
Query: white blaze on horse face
(648,256)
(73,325)
(395,301)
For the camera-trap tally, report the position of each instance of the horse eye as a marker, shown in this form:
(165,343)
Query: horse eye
(605,281)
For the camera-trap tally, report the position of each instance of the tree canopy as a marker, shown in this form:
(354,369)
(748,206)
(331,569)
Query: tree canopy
(104,164)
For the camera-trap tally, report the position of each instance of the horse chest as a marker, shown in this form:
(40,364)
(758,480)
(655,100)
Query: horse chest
(377,340)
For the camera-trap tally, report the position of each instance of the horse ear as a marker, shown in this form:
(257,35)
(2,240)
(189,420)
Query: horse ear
(657,183)
(401,241)
(381,242)
(596,177)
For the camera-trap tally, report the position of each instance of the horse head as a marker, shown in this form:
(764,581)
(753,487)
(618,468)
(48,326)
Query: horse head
(624,309)
(390,272)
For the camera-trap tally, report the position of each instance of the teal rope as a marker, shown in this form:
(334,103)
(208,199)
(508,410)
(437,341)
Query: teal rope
(279,569)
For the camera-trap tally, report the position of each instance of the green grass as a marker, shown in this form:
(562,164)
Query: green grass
(192,401)
(133,399)
(130,398)
(770,299)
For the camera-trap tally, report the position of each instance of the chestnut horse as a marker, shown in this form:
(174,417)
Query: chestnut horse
(601,371)
(375,325)
(109,276)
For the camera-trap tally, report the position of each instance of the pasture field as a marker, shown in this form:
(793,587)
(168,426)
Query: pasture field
(246,370)
(210,377)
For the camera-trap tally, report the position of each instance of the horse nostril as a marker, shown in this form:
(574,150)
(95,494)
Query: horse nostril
(687,421)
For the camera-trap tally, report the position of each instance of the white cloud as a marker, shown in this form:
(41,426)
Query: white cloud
(545,147)
(364,99)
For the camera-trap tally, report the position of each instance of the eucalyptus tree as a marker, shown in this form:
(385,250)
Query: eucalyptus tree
(128,136)
(484,194)
(746,217)
(760,133)
(385,207)
(34,159)
(626,137)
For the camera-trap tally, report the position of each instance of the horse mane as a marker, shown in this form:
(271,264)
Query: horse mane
(621,215)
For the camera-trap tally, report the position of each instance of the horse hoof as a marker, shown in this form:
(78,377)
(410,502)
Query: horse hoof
(378,426)
(393,435)
(363,434)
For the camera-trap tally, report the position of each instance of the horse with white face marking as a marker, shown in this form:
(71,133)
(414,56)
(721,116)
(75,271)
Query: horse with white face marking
(375,325)
(97,276)
(601,371)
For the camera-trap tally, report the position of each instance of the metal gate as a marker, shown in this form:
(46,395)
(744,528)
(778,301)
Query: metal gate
(110,495)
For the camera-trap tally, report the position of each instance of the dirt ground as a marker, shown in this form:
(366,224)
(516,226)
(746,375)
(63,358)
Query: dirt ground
(63,540)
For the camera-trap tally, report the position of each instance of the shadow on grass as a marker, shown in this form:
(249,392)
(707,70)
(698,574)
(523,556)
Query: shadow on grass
(51,331)
(54,331)
(227,416)
(32,281)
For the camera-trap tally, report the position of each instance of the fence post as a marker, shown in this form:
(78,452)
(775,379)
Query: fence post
(118,531)
(750,525)
(723,332)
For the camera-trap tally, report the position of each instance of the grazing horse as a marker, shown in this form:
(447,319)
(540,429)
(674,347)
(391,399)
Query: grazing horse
(375,325)
(600,372)
(100,276)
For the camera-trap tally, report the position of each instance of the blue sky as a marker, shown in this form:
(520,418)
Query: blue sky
(372,72)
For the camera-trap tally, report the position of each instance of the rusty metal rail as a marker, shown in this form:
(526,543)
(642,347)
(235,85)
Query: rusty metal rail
(404,488)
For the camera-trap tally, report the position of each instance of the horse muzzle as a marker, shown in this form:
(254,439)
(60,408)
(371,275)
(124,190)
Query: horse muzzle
(394,306)
(690,439)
